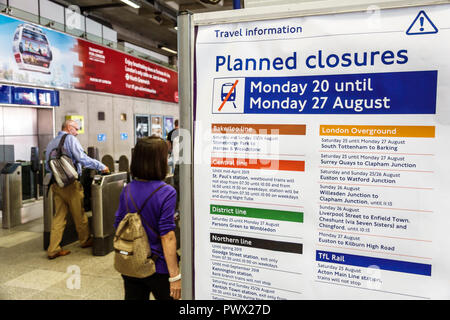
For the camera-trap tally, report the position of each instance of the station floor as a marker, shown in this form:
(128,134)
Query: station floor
(27,274)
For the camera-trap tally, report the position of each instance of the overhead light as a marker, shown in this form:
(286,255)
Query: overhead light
(168,50)
(175,6)
(131,4)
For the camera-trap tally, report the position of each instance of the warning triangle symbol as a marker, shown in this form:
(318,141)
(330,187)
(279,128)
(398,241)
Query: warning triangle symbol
(422,25)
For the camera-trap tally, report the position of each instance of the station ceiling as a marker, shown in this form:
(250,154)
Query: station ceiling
(150,26)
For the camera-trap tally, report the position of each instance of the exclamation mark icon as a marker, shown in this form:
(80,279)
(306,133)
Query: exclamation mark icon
(422,25)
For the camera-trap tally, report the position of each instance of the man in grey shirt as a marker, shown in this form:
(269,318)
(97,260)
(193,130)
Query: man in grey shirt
(70,198)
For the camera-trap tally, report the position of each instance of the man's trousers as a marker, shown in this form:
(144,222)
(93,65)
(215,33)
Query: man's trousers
(69,198)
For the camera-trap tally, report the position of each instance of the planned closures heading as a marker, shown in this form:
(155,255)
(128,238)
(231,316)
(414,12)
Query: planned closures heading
(319,60)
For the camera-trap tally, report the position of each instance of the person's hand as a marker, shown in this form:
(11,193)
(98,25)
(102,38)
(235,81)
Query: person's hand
(106,170)
(175,290)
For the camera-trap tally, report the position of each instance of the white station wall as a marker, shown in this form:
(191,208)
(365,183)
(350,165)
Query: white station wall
(89,104)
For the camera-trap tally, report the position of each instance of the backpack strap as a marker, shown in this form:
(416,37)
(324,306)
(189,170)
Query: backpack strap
(142,207)
(145,202)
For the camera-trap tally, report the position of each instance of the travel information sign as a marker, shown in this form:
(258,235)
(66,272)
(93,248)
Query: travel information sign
(321,157)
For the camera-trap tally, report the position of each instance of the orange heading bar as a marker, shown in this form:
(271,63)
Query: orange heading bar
(378,131)
(281,129)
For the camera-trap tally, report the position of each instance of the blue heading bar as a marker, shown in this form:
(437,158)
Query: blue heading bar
(366,93)
(365,262)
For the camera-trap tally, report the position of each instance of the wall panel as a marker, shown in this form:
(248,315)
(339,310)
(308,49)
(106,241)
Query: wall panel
(100,103)
(123,146)
(19,121)
(30,6)
(1,121)
(52,11)
(88,104)
(72,103)
(45,129)
(109,34)
(22,145)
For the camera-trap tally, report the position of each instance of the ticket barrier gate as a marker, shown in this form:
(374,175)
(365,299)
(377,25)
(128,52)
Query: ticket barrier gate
(11,176)
(20,200)
(105,193)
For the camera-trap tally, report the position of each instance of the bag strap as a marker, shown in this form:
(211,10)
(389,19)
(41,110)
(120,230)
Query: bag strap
(61,143)
(142,207)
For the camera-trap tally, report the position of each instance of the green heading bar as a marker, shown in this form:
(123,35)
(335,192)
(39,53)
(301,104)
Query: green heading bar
(257,213)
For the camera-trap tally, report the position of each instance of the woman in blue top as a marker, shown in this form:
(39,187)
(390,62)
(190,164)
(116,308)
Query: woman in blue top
(149,168)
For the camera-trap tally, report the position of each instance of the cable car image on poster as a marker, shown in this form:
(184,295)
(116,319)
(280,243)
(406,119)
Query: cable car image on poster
(31,49)
(321,155)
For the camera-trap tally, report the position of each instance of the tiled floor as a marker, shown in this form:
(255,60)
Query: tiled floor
(27,274)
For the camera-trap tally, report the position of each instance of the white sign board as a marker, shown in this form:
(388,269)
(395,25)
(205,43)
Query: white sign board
(321,157)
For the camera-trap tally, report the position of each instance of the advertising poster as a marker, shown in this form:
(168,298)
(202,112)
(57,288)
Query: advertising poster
(32,54)
(168,126)
(157,126)
(141,126)
(321,157)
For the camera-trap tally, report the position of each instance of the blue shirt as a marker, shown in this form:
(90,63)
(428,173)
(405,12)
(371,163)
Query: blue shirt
(158,213)
(75,152)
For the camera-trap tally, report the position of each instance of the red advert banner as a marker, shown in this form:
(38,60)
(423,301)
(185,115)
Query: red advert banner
(107,70)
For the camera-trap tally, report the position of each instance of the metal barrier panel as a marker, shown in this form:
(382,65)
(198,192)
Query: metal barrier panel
(93,153)
(108,161)
(12,195)
(105,192)
(124,165)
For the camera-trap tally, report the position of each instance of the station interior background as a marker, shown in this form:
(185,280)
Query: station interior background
(26,273)
(149,33)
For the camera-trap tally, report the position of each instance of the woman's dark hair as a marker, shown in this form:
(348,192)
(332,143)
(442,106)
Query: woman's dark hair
(149,159)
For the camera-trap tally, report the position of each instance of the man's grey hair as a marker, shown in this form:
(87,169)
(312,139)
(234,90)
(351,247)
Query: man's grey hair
(67,123)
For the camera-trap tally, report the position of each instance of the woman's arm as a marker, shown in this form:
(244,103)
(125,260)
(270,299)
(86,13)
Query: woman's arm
(169,244)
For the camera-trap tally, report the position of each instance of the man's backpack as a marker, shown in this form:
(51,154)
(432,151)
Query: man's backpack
(133,256)
(61,165)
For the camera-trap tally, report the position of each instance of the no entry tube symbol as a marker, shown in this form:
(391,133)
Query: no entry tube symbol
(231,94)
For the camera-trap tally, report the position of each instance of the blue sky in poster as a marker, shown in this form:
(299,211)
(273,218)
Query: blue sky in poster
(61,67)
